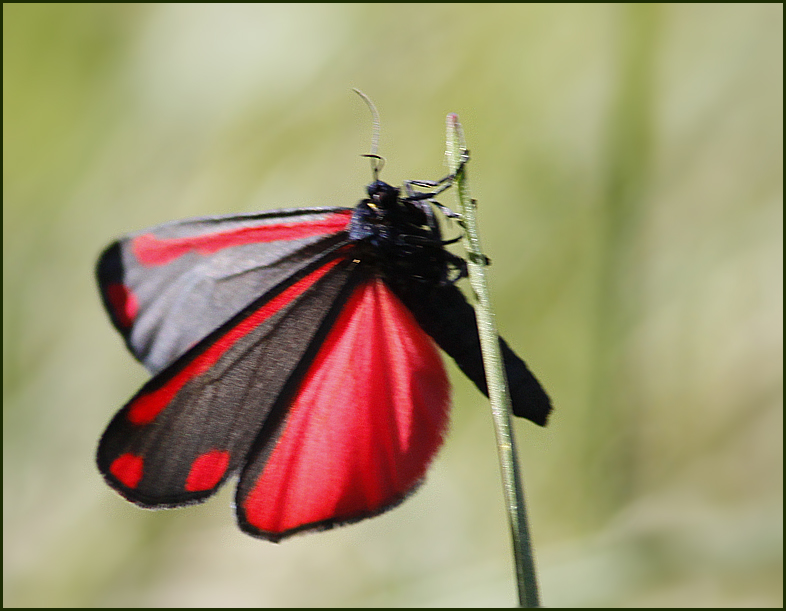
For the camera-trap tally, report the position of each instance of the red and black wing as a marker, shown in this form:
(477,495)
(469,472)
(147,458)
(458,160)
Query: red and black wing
(167,287)
(194,423)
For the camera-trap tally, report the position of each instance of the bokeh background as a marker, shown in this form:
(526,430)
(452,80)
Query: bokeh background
(628,162)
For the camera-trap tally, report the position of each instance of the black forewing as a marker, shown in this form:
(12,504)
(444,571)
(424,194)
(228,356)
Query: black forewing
(446,316)
(221,409)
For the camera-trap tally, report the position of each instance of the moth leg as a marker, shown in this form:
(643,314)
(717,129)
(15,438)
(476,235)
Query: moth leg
(437,186)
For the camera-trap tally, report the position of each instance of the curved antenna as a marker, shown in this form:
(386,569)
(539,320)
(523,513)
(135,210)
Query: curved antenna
(374,119)
(377,162)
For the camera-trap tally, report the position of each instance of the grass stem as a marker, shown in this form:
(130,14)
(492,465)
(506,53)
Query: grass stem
(499,396)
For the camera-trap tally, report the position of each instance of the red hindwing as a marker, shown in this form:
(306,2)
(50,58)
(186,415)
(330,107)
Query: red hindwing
(366,421)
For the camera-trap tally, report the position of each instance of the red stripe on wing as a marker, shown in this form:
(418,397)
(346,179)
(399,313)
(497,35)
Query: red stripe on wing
(145,408)
(150,250)
(368,418)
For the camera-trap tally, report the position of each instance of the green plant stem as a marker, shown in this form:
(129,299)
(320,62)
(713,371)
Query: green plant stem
(496,379)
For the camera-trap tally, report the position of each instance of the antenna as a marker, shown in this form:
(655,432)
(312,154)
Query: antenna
(377,162)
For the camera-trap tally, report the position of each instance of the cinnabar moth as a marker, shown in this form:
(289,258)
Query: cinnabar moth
(296,348)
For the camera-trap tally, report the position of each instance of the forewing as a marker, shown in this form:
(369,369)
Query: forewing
(444,313)
(193,424)
(361,429)
(167,287)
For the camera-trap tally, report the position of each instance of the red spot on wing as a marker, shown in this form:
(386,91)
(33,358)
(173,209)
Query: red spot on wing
(123,302)
(207,470)
(368,418)
(146,407)
(150,250)
(127,468)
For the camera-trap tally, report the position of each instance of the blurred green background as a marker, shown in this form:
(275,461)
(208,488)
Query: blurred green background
(628,162)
